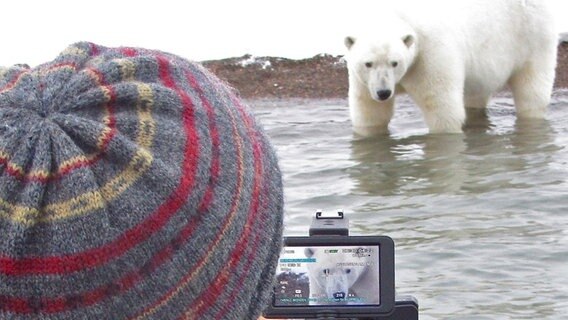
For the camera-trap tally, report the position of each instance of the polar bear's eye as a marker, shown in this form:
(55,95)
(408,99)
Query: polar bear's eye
(347,271)
(326,272)
(394,64)
(368,64)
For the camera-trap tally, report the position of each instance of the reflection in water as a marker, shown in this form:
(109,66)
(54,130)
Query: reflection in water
(413,165)
(479,219)
(431,164)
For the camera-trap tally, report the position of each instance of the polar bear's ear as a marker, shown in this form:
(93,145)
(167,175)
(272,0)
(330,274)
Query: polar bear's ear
(349,42)
(309,252)
(408,40)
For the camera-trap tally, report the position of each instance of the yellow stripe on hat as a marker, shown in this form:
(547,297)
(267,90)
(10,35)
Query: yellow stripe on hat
(3,71)
(95,200)
(4,157)
(127,69)
(74,51)
(84,203)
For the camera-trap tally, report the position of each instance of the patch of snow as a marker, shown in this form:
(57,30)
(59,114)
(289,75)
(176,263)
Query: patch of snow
(341,62)
(252,60)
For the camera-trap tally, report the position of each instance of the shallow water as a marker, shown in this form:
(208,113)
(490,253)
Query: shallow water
(479,219)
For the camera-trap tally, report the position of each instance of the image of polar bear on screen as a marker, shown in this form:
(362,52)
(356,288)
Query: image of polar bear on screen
(343,276)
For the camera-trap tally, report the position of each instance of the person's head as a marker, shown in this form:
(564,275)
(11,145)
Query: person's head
(133,185)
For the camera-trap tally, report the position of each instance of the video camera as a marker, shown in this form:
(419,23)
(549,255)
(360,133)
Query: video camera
(331,275)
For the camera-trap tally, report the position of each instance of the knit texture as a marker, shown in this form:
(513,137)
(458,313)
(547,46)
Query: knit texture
(133,185)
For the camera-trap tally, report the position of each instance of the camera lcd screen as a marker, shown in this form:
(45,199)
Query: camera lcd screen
(334,275)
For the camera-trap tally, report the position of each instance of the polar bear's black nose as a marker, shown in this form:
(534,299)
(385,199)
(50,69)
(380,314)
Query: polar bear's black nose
(384,94)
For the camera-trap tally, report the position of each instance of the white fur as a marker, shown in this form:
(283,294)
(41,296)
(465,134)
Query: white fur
(328,278)
(451,58)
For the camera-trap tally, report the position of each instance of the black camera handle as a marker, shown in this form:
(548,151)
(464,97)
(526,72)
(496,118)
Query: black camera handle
(405,307)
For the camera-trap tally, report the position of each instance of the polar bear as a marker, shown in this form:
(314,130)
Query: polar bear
(351,280)
(451,59)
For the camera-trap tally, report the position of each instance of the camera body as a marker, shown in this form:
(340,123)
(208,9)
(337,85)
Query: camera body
(331,275)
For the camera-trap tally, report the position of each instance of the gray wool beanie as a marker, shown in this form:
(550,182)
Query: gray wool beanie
(133,185)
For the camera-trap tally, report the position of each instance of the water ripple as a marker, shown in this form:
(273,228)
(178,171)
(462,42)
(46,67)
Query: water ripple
(479,219)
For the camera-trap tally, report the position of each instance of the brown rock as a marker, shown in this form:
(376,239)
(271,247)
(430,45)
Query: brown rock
(320,77)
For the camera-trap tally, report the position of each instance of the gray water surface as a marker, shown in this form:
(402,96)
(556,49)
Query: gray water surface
(479,220)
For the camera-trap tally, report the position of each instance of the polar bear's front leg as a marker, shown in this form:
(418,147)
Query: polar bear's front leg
(445,117)
(369,117)
(443,113)
(439,96)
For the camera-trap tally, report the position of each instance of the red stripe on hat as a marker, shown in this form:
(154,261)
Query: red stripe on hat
(215,163)
(232,298)
(14,80)
(129,52)
(99,256)
(237,289)
(94,49)
(188,230)
(77,165)
(211,294)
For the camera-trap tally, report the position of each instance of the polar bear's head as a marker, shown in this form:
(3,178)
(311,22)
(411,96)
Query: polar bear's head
(380,62)
(329,280)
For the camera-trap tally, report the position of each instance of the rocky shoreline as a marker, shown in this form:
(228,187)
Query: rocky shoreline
(321,77)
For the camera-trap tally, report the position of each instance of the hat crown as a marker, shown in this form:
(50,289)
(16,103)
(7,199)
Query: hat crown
(55,119)
(31,131)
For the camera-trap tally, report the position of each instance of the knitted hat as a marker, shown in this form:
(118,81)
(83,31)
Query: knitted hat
(133,185)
